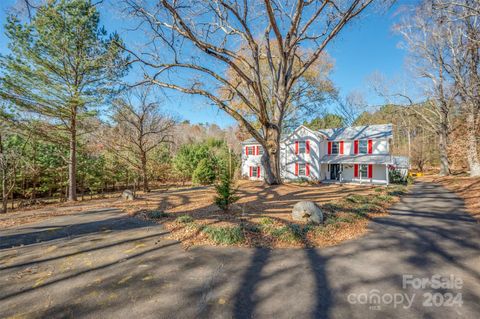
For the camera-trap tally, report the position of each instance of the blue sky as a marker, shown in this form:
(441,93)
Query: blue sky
(365,47)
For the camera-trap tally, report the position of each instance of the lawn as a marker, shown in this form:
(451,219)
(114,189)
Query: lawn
(261,218)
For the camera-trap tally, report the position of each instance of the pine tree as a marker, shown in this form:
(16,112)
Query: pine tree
(61,67)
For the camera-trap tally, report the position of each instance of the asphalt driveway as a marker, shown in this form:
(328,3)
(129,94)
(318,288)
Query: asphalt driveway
(422,261)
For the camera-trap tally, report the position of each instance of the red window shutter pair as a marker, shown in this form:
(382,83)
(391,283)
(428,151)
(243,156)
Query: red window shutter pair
(341,147)
(355,170)
(355,147)
(370,170)
(251,171)
(370,146)
(296,169)
(329,148)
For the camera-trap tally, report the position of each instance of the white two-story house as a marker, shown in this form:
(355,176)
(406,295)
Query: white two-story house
(359,154)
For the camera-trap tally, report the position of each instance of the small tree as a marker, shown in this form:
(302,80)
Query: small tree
(226,192)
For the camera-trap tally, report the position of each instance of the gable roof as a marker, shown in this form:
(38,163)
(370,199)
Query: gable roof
(359,132)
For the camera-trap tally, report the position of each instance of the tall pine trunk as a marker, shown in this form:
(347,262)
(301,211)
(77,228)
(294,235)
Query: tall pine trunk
(472,148)
(271,156)
(72,164)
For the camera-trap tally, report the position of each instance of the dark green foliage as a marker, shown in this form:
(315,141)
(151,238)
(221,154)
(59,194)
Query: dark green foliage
(205,172)
(157,214)
(225,235)
(327,121)
(225,191)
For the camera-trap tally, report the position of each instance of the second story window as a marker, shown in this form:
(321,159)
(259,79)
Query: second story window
(335,148)
(250,150)
(363,146)
(301,147)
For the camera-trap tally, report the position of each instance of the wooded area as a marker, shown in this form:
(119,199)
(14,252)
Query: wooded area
(72,124)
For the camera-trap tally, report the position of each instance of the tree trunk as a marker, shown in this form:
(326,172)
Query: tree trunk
(144,173)
(4,191)
(442,148)
(4,179)
(72,165)
(271,156)
(472,151)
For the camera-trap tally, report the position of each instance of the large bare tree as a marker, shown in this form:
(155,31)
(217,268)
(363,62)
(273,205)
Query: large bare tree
(193,43)
(443,38)
(139,127)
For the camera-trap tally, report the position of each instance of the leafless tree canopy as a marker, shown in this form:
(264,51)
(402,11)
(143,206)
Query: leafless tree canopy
(193,44)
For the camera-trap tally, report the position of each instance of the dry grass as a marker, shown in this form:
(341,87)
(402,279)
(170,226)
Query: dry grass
(466,187)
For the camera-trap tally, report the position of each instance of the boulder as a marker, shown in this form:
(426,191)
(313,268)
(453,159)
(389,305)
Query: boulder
(307,212)
(128,195)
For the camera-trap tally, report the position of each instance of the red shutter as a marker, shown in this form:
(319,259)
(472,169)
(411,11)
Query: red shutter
(355,170)
(307,169)
(296,169)
(258,171)
(307,146)
(258,151)
(329,148)
(246,150)
(370,148)
(370,169)
(296,147)
(355,147)
(341,147)
(251,171)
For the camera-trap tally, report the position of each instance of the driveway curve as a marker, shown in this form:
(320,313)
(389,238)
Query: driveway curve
(421,261)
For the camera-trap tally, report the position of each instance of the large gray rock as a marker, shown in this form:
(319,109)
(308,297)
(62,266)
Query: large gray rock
(128,195)
(307,212)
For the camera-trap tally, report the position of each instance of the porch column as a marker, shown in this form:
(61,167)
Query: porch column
(386,174)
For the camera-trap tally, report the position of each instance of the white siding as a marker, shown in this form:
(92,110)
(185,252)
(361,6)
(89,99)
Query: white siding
(289,158)
(251,160)
(318,148)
